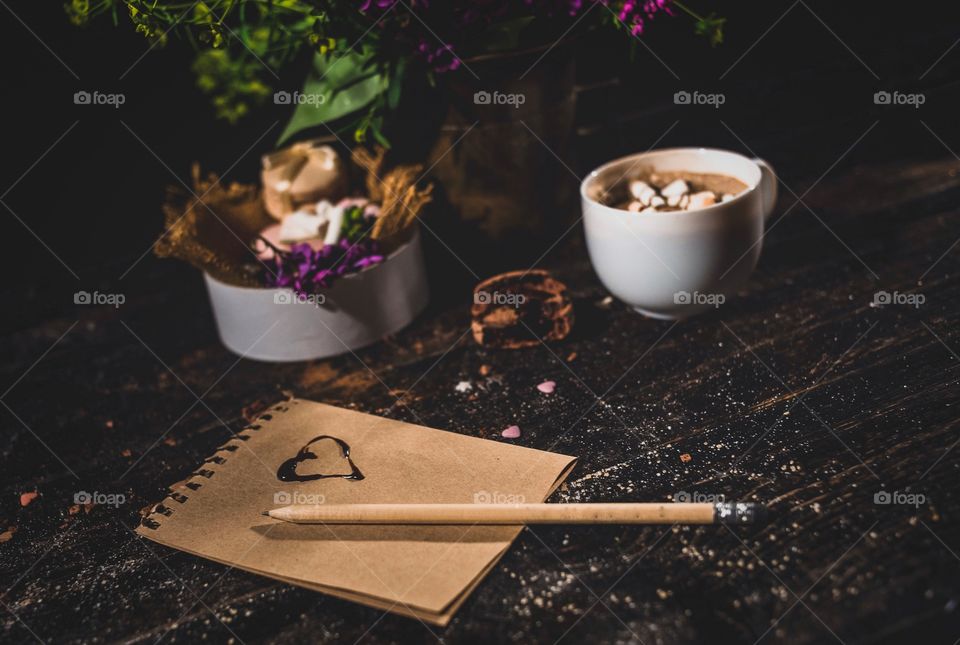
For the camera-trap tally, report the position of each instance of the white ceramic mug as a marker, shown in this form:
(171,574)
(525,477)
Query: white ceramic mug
(676,264)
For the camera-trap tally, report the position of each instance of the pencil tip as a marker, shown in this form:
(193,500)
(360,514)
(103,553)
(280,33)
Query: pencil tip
(265,513)
(740,513)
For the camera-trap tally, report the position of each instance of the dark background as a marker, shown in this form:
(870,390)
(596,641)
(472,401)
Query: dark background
(801,96)
(94,197)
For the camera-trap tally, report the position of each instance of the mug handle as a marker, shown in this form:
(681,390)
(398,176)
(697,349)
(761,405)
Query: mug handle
(768,186)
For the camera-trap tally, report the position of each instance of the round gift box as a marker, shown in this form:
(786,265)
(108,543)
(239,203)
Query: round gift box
(276,325)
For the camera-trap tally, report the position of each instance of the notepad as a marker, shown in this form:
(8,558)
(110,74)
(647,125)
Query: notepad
(421,571)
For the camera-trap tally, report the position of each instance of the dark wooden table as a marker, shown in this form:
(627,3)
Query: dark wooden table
(798,392)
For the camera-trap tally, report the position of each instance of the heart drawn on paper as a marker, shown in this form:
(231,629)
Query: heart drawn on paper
(287,472)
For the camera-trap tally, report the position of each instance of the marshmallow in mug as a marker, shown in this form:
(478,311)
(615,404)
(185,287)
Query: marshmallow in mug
(676,188)
(642,192)
(675,195)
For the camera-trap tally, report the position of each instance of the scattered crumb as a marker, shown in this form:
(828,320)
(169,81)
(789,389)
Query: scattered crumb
(484,370)
(511,432)
(27,498)
(547,387)
(685,457)
(125,452)
(571,357)
(170,441)
(464,386)
(605,303)
(109,423)
(7,535)
(76,508)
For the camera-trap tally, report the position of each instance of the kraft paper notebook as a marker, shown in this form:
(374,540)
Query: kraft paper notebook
(423,571)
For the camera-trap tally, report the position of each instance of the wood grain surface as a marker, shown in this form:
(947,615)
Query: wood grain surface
(799,392)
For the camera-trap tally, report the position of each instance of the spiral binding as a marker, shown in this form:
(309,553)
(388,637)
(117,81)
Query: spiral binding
(195,481)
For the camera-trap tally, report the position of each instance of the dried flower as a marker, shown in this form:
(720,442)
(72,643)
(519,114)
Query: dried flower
(307,270)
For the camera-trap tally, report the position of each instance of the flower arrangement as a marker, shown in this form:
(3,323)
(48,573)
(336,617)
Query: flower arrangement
(310,247)
(307,268)
(361,51)
(332,264)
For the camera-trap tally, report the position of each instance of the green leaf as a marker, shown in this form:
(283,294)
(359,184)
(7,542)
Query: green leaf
(711,27)
(345,86)
(378,136)
(396,84)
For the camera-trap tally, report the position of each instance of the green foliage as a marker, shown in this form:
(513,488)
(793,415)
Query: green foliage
(78,11)
(345,84)
(233,84)
(355,225)
(711,27)
(242,46)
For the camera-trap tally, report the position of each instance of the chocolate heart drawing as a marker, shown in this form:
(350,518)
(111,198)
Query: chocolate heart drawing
(287,472)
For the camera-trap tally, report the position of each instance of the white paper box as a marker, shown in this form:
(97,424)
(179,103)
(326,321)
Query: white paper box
(273,325)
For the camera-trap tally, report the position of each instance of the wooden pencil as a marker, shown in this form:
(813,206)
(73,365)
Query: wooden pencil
(515,514)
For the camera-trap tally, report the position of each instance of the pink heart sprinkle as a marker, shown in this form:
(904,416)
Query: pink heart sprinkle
(511,433)
(547,387)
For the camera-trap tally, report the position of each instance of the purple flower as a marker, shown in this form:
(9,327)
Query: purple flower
(634,13)
(307,270)
(442,58)
(469,18)
(367,261)
(380,4)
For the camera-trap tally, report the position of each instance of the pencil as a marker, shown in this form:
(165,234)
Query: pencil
(515,514)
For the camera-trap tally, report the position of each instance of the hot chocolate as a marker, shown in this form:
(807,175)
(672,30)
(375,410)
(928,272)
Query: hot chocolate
(675,191)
